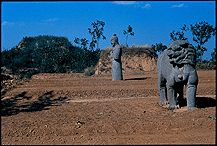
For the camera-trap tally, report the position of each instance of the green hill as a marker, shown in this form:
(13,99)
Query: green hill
(48,54)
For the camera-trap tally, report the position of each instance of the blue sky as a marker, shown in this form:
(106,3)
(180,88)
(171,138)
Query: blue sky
(152,21)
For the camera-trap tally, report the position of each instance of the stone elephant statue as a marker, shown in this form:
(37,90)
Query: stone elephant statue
(176,68)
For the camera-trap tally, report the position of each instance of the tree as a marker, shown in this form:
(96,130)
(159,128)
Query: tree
(84,43)
(158,47)
(213,55)
(96,33)
(127,32)
(179,35)
(77,41)
(201,34)
(48,54)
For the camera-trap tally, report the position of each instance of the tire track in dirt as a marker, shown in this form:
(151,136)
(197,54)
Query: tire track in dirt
(112,99)
(102,100)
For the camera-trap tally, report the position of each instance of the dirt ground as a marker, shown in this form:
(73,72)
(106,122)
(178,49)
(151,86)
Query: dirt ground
(65,109)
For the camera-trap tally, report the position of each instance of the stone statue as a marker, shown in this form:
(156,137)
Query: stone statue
(115,55)
(176,68)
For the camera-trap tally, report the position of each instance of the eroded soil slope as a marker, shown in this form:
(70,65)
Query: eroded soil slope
(70,109)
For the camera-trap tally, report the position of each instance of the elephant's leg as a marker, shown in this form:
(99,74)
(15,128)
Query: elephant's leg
(162,90)
(191,95)
(172,97)
(191,90)
(163,95)
(171,91)
(180,98)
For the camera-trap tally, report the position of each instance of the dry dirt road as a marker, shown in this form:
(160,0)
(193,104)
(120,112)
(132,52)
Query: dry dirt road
(62,109)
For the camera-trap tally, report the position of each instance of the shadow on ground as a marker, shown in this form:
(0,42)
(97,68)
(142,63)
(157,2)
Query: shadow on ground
(21,103)
(138,78)
(202,102)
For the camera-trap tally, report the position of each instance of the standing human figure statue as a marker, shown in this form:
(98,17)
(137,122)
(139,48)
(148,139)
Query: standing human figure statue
(115,55)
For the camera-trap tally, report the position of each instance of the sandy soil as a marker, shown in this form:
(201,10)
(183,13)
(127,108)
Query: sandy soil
(65,109)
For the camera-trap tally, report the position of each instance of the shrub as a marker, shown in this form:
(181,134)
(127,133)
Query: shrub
(89,71)
(29,74)
(50,54)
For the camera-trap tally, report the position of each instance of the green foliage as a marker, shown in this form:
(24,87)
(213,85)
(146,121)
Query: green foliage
(213,118)
(127,32)
(28,74)
(89,71)
(96,33)
(158,47)
(179,35)
(83,42)
(201,34)
(206,65)
(90,56)
(77,40)
(50,54)
(213,55)
(199,52)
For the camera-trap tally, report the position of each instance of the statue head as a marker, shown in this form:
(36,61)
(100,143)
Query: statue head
(178,44)
(181,52)
(114,40)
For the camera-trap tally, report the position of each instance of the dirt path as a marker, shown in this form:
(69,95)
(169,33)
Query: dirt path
(51,109)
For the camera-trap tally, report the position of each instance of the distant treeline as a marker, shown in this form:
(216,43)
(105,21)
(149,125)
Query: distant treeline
(48,54)
(52,54)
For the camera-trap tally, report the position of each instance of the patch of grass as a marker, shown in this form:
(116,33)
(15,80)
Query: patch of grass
(29,74)
(213,118)
(89,71)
